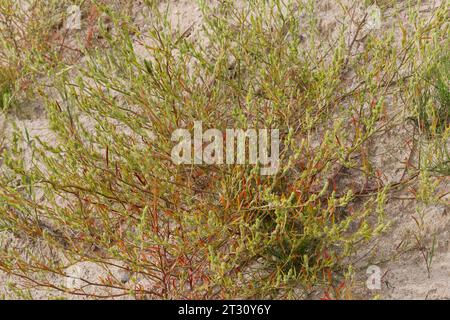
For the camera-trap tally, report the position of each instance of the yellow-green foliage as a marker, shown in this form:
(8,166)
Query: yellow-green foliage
(113,194)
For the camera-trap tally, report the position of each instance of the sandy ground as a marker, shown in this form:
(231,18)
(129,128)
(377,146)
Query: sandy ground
(400,253)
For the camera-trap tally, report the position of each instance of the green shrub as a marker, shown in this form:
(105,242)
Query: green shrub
(433,105)
(113,196)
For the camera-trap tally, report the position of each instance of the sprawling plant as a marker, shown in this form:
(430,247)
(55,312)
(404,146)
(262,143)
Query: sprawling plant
(106,190)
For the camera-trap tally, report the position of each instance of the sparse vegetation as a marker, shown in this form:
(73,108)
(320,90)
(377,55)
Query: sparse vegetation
(105,191)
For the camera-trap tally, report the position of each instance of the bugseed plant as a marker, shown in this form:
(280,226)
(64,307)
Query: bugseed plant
(107,192)
(33,41)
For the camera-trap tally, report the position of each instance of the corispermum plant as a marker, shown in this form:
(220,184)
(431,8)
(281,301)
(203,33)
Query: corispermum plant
(106,191)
